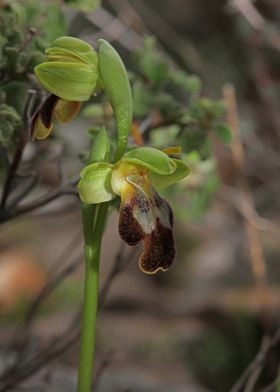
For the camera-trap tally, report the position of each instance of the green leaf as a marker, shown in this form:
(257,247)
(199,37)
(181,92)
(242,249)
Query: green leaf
(95,184)
(154,160)
(100,150)
(69,81)
(223,132)
(160,181)
(114,81)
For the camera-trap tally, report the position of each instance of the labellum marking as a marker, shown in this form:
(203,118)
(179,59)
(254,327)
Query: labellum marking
(150,220)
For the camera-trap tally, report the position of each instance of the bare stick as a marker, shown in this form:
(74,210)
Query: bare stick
(67,189)
(20,147)
(256,257)
(250,13)
(253,370)
(60,344)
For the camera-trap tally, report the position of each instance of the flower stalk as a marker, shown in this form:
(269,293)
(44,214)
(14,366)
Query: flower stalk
(94,218)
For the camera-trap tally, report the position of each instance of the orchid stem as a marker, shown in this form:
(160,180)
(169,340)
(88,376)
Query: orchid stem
(94,217)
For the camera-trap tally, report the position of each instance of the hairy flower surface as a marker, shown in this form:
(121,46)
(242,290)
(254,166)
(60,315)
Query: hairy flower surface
(144,215)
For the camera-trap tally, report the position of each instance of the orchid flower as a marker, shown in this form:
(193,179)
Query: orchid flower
(71,73)
(144,215)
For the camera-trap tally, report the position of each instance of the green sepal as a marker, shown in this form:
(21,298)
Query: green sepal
(95,183)
(72,48)
(154,160)
(159,181)
(69,81)
(114,81)
(100,150)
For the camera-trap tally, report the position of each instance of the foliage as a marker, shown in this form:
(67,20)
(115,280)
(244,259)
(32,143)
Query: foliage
(84,5)
(176,96)
(10,122)
(24,34)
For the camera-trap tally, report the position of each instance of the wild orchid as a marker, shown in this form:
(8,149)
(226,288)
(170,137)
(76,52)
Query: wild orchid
(72,72)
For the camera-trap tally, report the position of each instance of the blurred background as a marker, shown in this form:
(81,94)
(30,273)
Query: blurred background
(205,75)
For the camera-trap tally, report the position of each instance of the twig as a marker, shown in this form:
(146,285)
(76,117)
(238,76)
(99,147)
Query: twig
(113,29)
(250,13)
(272,387)
(65,254)
(29,36)
(246,210)
(169,36)
(247,9)
(102,367)
(20,147)
(256,257)
(24,191)
(135,23)
(67,189)
(253,370)
(21,335)
(120,263)
(50,287)
(60,344)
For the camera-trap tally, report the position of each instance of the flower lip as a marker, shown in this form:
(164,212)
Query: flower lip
(158,250)
(146,217)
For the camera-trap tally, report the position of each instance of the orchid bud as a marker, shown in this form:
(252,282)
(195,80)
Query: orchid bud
(70,71)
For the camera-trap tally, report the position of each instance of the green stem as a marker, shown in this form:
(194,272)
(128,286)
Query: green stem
(93,225)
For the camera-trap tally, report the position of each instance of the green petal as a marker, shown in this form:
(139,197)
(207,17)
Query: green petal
(100,150)
(69,81)
(154,160)
(40,131)
(95,184)
(160,181)
(65,111)
(114,81)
